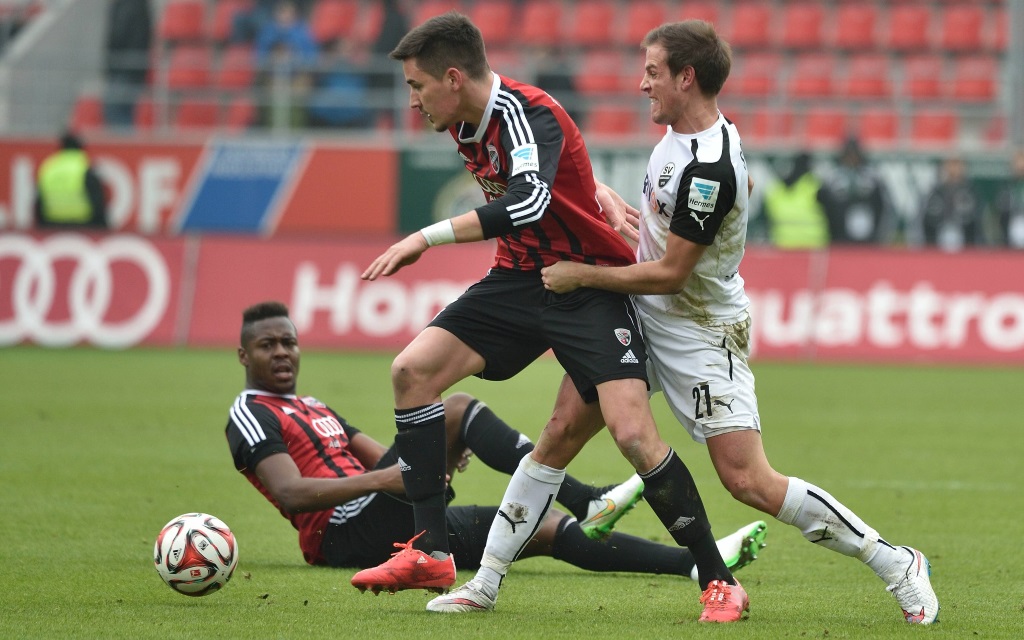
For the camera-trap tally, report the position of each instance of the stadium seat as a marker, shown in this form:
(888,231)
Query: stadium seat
(764,124)
(196,113)
(222,19)
(495,19)
(825,126)
(706,11)
(909,27)
(182,20)
(332,19)
(189,66)
(605,119)
(1000,29)
(975,78)
(962,27)
(878,126)
(750,24)
(592,23)
(367,25)
(236,69)
(240,113)
(811,75)
(430,8)
(145,113)
(755,75)
(802,24)
(87,113)
(602,72)
(541,24)
(867,76)
(854,26)
(640,18)
(923,76)
(931,127)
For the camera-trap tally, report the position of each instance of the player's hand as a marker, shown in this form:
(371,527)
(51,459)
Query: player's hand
(398,255)
(562,277)
(620,216)
(463,462)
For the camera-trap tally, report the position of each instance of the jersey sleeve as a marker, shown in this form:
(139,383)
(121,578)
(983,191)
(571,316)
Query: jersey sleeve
(707,193)
(253,433)
(532,140)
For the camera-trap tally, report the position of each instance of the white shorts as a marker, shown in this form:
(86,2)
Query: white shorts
(703,373)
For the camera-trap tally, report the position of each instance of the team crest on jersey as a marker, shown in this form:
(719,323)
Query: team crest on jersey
(310,401)
(492,154)
(625,336)
(666,174)
(703,195)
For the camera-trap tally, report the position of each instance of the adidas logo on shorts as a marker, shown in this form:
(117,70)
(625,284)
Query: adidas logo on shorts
(629,358)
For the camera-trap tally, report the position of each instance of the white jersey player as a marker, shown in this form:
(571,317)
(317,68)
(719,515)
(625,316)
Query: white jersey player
(693,309)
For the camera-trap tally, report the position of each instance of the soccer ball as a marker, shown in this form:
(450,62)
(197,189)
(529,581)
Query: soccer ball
(195,554)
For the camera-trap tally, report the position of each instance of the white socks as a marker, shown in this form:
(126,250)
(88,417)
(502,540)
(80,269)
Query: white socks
(527,499)
(827,522)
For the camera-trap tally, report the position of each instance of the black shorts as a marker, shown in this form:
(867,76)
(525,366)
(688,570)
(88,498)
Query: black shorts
(510,319)
(368,539)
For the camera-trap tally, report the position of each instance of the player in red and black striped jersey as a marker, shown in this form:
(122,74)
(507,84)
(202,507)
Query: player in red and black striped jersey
(530,160)
(343,491)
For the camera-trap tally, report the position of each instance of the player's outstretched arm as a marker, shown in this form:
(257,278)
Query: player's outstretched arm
(463,228)
(296,494)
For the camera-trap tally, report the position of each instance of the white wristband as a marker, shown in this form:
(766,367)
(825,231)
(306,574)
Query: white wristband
(439,233)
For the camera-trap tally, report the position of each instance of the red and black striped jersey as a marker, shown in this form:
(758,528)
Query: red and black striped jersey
(261,424)
(530,160)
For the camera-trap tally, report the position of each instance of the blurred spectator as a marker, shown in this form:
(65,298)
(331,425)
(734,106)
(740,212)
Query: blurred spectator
(796,219)
(69,192)
(953,214)
(384,76)
(339,95)
(129,36)
(287,30)
(247,24)
(1009,205)
(855,200)
(554,75)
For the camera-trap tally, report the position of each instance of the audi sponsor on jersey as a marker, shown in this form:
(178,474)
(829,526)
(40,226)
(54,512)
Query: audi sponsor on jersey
(118,291)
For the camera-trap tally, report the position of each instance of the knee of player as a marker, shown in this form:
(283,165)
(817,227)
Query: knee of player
(455,407)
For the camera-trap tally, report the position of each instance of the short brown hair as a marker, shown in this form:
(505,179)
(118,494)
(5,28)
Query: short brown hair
(694,43)
(445,41)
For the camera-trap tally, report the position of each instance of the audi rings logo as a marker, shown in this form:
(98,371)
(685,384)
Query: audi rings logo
(34,288)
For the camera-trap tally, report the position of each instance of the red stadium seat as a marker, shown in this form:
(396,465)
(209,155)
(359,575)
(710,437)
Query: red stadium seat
(929,127)
(867,76)
(909,27)
(751,24)
(962,28)
(603,72)
(605,119)
(1000,29)
(222,19)
(592,23)
(87,113)
(145,113)
(765,124)
(975,78)
(811,75)
(240,113)
(802,24)
(824,126)
(196,113)
(923,77)
(495,19)
(236,70)
(367,25)
(182,20)
(430,8)
(756,75)
(333,19)
(878,126)
(189,67)
(541,24)
(641,17)
(854,26)
(706,11)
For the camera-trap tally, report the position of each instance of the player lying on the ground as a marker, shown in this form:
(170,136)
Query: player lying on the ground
(343,491)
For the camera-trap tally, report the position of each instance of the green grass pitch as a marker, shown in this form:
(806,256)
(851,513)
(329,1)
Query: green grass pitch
(101,448)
